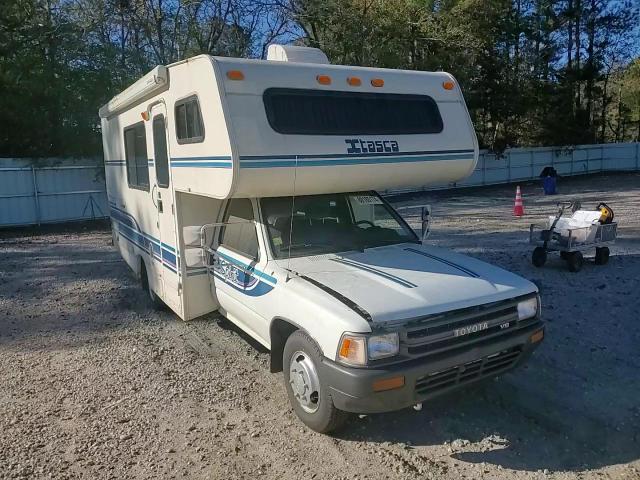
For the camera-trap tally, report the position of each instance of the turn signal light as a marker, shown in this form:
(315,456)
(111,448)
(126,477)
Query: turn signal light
(388,384)
(144,115)
(377,82)
(536,337)
(448,85)
(235,75)
(354,81)
(323,79)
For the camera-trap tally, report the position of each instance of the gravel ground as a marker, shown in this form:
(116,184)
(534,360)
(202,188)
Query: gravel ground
(95,384)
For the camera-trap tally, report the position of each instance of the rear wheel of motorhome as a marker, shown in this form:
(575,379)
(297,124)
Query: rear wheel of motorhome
(309,397)
(157,303)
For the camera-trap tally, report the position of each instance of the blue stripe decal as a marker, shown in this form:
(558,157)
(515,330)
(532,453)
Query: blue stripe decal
(161,252)
(447,262)
(346,160)
(375,271)
(252,270)
(359,155)
(202,164)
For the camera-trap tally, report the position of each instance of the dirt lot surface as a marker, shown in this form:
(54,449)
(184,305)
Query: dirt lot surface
(95,384)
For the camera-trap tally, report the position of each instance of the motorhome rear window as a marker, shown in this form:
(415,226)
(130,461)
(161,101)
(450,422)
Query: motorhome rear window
(320,112)
(135,150)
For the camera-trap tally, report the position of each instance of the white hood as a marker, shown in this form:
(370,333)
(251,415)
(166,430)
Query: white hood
(408,280)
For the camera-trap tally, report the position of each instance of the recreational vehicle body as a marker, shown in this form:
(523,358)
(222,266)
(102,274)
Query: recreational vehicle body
(248,187)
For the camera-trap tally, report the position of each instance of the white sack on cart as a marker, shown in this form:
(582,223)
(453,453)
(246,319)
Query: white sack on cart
(580,223)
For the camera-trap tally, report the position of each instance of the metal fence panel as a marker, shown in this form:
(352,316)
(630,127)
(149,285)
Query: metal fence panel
(32,195)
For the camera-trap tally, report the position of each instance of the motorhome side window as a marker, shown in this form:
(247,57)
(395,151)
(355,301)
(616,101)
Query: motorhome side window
(189,126)
(240,232)
(320,112)
(135,149)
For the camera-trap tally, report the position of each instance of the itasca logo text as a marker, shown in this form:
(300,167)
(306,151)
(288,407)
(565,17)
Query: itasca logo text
(478,327)
(369,146)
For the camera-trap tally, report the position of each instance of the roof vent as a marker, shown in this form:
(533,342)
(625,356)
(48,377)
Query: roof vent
(291,53)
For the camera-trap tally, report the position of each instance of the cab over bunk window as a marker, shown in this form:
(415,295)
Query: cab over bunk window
(240,233)
(321,112)
(189,126)
(135,148)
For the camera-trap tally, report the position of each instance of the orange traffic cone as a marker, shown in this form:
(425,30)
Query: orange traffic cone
(518,208)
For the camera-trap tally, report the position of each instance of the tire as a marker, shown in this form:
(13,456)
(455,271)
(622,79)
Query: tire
(156,302)
(602,255)
(564,255)
(575,261)
(309,396)
(539,257)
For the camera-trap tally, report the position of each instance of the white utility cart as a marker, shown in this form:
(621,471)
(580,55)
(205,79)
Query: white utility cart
(572,236)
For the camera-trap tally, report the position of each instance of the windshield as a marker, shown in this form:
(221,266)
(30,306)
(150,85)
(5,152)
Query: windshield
(331,223)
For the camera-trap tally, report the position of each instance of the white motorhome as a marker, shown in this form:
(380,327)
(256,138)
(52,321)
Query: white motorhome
(248,187)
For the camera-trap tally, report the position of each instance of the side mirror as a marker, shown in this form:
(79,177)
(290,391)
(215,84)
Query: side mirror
(426,222)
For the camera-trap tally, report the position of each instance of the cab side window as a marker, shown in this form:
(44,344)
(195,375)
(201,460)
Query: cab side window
(135,150)
(240,234)
(189,126)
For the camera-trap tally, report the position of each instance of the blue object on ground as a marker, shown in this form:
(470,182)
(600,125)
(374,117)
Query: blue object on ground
(549,185)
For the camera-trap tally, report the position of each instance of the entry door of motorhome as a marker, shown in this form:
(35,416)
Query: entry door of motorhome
(163,201)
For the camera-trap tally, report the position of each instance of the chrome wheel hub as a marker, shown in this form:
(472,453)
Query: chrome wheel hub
(304,382)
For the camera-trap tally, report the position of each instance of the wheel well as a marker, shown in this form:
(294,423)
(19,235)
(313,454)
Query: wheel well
(144,279)
(279,331)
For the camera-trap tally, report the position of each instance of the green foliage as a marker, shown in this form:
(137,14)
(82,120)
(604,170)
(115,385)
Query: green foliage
(534,72)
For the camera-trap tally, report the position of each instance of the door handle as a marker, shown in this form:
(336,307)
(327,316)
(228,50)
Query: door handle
(160,205)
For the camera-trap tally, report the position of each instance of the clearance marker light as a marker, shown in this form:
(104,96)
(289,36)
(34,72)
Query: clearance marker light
(235,75)
(323,79)
(145,115)
(377,82)
(448,85)
(354,81)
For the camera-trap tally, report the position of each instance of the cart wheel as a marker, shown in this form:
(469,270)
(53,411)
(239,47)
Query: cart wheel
(575,261)
(602,255)
(539,256)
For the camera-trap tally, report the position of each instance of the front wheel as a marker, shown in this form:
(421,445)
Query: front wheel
(309,397)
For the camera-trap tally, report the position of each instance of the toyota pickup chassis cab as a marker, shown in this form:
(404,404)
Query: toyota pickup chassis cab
(249,188)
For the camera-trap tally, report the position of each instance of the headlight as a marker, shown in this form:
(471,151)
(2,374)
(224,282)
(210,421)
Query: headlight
(382,346)
(356,349)
(528,308)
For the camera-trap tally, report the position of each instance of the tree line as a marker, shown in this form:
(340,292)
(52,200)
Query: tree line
(534,72)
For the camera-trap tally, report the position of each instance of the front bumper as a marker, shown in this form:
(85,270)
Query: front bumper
(425,378)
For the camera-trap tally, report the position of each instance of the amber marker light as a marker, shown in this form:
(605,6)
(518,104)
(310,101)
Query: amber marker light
(377,82)
(537,337)
(354,81)
(323,79)
(235,75)
(448,85)
(388,384)
(144,115)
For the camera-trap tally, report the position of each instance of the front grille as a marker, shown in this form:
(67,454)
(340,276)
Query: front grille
(461,328)
(484,367)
